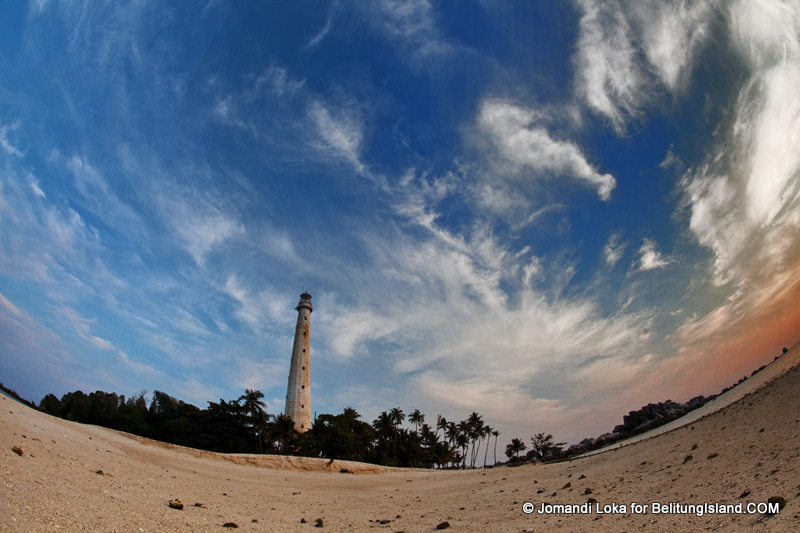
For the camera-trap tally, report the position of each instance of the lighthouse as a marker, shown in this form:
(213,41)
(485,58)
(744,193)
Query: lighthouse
(298,393)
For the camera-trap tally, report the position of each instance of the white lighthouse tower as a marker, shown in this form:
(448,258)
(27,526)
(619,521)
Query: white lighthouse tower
(298,393)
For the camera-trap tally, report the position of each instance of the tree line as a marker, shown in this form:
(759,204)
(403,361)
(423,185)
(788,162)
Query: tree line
(243,425)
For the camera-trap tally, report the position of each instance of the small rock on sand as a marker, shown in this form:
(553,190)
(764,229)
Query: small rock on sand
(443,525)
(780,500)
(176,503)
(17,450)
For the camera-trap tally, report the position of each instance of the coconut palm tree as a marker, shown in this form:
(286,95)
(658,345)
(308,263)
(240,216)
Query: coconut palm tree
(474,429)
(462,441)
(427,435)
(442,454)
(396,415)
(252,401)
(441,423)
(487,431)
(252,405)
(514,449)
(384,426)
(451,432)
(283,432)
(496,434)
(416,418)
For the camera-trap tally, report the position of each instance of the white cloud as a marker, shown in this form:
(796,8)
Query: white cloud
(612,252)
(744,198)
(11,308)
(341,134)
(671,32)
(202,221)
(623,45)
(609,78)
(316,39)
(650,258)
(412,26)
(519,138)
(5,142)
(464,312)
(765,31)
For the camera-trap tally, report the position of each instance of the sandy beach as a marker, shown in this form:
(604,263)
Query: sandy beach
(63,476)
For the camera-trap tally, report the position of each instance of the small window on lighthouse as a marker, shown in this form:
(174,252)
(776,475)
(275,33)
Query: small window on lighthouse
(302,386)
(304,368)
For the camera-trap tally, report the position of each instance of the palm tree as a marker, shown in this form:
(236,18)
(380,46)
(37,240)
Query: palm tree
(252,401)
(462,440)
(428,437)
(396,415)
(384,426)
(441,423)
(487,431)
(350,414)
(474,428)
(451,432)
(496,434)
(442,454)
(283,432)
(364,436)
(514,449)
(416,418)
(261,427)
(254,408)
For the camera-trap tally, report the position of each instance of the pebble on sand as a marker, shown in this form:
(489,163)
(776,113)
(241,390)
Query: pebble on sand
(176,503)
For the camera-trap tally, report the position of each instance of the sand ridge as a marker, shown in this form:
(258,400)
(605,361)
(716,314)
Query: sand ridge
(73,477)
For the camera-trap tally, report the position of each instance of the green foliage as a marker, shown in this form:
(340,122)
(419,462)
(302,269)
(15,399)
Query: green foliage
(515,448)
(542,444)
(243,426)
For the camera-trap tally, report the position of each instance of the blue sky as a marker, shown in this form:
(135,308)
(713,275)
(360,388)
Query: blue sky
(547,212)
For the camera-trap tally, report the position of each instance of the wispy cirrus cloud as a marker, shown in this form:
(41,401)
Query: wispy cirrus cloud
(609,78)
(340,135)
(331,128)
(5,142)
(745,209)
(411,25)
(612,252)
(627,51)
(524,143)
(671,33)
(650,258)
(462,310)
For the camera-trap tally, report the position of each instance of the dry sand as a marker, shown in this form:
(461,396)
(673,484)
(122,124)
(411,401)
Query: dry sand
(73,477)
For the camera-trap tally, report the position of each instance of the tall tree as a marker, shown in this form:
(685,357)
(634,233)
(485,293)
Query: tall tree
(254,407)
(474,429)
(496,434)
(397,416)
(283,433)
(515,448)
(441,423)
(487,431)
(416,418)
(384,426)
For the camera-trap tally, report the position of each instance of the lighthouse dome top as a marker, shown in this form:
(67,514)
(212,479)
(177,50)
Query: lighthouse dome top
(305,301)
